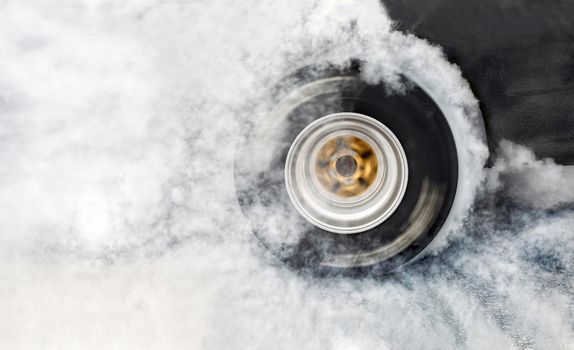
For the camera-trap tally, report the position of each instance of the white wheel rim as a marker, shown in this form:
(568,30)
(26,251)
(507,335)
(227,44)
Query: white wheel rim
(338,211)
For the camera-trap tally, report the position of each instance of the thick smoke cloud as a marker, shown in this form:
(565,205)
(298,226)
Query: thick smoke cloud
(538,183)
(119,226)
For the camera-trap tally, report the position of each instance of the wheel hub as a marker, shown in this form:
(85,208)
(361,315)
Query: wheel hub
(346,166)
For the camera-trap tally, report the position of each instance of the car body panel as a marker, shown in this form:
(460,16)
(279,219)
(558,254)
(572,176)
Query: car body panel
(519,59)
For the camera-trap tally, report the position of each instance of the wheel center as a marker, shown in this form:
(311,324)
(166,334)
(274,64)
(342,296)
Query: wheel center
(346,166)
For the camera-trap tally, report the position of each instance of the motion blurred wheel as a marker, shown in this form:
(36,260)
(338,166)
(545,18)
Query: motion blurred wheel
(345,177)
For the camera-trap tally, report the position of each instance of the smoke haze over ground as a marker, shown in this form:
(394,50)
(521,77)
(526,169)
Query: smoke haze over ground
(119,226)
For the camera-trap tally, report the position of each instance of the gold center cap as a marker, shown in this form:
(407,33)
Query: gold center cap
(346,166)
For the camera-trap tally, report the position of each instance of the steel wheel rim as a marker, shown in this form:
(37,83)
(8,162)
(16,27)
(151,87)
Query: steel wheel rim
(337,211)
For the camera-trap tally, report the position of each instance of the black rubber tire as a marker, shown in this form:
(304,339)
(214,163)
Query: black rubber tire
(429,146)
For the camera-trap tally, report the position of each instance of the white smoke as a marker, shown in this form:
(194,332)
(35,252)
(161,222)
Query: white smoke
(119,226)
(530,181)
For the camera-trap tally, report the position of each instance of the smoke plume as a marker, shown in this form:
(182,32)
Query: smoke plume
(119,226)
